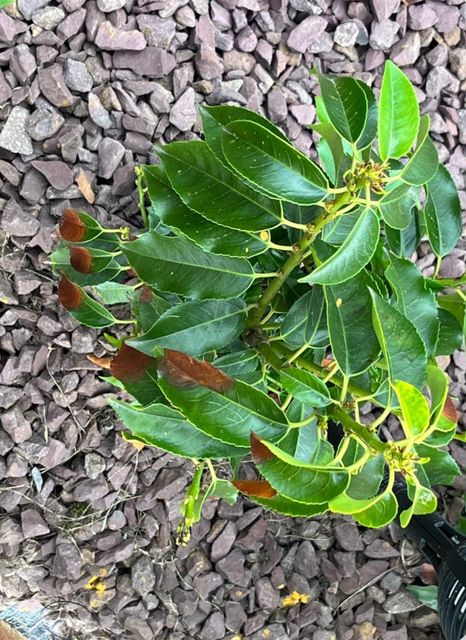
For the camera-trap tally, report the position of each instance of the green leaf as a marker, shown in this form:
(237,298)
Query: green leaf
(414,300)
(60,259)
(437,381)
(306,443)
(148,311)
(415,412)
(400,343)
(337,231)
(442,212)
(272,164)
(397,213)
(404,242)
(177,265)
(114,292)
(423,163)
(223,489)
(287,507)
(194,327)
(425,595)
(353,255)
(370,129)
(212,237)
(366,482)
(242,365)
(423,500)
(374,512)
(346,105)
(305,387)
(349,316)
(231,415)
(451,336)
(441,468)
(305,322)
(299,481)
(398,121)
(163,427)
(91,313)
(208,187)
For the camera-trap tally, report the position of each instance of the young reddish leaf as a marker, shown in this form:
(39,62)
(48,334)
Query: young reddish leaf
(104,363)
(130,365)
(184,371)
(70,295)
(259,488)
(81,259)
(259,451)
(449,410)
(72,228)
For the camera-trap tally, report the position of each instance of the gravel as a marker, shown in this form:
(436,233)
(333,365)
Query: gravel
(86,90)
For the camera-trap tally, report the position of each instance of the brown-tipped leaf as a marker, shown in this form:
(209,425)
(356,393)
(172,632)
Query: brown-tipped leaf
(104,363)
(449,410)
(81,259)
(72,228)
(259,451)
(258,488)
(147,295)
(130,365)
(181,370)
(70,295)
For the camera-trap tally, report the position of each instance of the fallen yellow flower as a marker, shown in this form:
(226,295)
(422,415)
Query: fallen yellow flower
(295,598)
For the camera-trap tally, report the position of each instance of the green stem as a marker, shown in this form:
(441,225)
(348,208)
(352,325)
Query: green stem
(141,194)
(358,429)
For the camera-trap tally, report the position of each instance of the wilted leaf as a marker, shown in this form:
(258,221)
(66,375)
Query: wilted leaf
(181,370)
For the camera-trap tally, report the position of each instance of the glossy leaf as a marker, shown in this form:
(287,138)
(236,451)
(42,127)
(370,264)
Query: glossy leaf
(138,373)
(208,187)
(306,443)
(366,482)
(297,480)
(194,327)
(211,237)
(82,307)
(425,595)
(398,213)
(337,231)
(423,163)
(346,105)
(60,259)
(305,322)
(287,507)
(441,468)
(305,387)
(398,121)
(353,255)
(230,415)
(437,382)
(273,164)
(163,427)
(179,266)
(370,128)
(400,343)
(349,315)
(442,212)
(414,300)
(404,242)
(184,371)
(451,336)
(415,412)
(114,292)
(423,501)
(373,513)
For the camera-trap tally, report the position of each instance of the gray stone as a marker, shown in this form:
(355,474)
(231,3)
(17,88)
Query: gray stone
(401,602)
(98,113)
(71,24)
(143,576)
(305,562)
(306,33)
(110,5)
(438,79)
(94,465)
(15,424)
(207,583)
(406,51)
(462,125)
(53,86)
(208,64)
(110,38)
(10,532)
(44,123)
(183,112)
(152,62)
(22,63)
(8,397)
(381,549)
(246,39)
(27,7)
(14,135)
(77,76)
(224,542)
(214,627)
(452,267)
(7,28)
(57,173)
(139,629)
(458,62)
(267,597)
(10,173)
(48,17)
(384,8)
(346,34)
(276,105)
(5,89)
(231,566)
(160,99)
(383,34)
(421,16)
(158,32)
(67,562)
(111,153)
(33,524)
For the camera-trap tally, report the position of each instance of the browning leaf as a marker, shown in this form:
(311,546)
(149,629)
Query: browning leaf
(70,295)
(449,410)
(81,259)
(146,295)
(130,365)
(181,370)
(259,451)
(259,488)
(104,363)
(72,228)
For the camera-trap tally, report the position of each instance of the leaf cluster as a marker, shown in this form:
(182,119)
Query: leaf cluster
(273,297)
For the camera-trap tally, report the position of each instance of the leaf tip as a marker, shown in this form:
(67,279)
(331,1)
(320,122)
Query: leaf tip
(258,488)
(72,228)
(81,259)
(130,365)
(260,453)
(70,295)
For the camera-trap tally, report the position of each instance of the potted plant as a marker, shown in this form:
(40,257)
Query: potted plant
(271,296)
